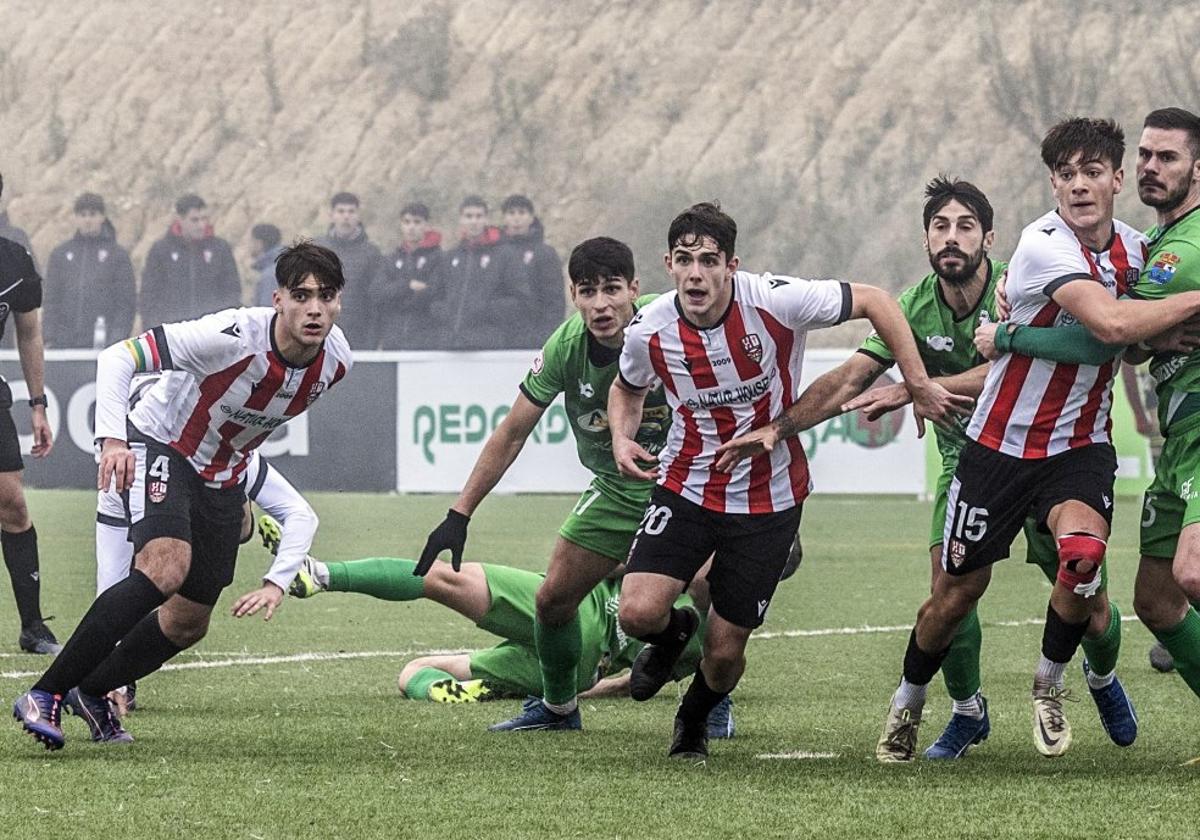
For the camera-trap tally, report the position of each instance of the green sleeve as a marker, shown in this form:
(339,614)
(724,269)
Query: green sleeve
(876,347)
(1071,344)
(544,381)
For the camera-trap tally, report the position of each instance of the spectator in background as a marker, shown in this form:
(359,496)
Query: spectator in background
(190,271)
(527,266)
(406,284)
(472,314)
(10,231)
(90,291)
(361,261)
(265,247)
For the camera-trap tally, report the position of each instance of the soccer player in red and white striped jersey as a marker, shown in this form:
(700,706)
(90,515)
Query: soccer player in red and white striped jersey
(235,376)
(727,347)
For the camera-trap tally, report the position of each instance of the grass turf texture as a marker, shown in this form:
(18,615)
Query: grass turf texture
(329,749)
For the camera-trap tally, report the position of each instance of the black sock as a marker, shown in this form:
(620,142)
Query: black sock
(113,614)
(919,666)
(680,626)
(699,700)
(143,651)
(21,558)
(1060,640)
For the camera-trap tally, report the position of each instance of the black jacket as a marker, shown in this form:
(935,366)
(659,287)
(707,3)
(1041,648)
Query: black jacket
(403,316)
(185,278)
(526,264)
(475,312)
(360,265)
(88,277)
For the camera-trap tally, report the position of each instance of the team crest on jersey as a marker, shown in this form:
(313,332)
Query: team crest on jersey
(1163,269)
(528,257)
(315,391)
(102,255)
(207,256)
(400,263)
(420,263)
(156,491)
(752,347)
(484,260)
(958,552)
(70,256)
(1129,278)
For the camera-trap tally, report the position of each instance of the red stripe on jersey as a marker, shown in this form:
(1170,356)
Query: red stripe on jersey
(311,377)
(735,333)
(992,434)
(220,459)
(338,374)
(695,358)
(1120,261)
(760,465)
(798,470)
(714,488)
(783,338)
(211,389)
(659,363)
(262,391)
(692,445)
(1049,409)
(153,345)
(1086,424)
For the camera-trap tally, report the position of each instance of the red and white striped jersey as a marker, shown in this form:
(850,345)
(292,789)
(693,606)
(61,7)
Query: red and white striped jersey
(726,380)
(229,391)
(1034,408)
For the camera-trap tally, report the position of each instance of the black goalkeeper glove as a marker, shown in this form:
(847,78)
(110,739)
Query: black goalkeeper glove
(450,535)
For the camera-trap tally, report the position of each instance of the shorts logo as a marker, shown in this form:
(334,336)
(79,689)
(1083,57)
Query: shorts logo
(752,347)
(958,552)
(156,491)
(762,607)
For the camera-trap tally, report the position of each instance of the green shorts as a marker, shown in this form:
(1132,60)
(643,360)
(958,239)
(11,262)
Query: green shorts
(603,522)
(512,666)
(1172,502)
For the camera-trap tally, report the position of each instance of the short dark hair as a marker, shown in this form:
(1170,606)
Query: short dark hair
(306,257)
(699,221)
(1177,118)
(188,202)
(599,259)
(1089,137)
(89,201)
(415,208)
(517,202)
(942,190)
(343,198)
(267,234)
(473,201)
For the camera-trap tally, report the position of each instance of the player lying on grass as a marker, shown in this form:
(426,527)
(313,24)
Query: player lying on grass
(502,601)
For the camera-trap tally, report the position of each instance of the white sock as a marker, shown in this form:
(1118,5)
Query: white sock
(1049,673)
(562,708)
(971,707)
(909,696)
(1098,681)
(114,555)
(320,572)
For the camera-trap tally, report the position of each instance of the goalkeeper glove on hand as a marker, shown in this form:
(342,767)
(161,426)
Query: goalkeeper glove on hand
(450,535)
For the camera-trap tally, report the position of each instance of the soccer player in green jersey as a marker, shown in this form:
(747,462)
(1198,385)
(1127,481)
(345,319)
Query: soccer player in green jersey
(579,360)
(943,310)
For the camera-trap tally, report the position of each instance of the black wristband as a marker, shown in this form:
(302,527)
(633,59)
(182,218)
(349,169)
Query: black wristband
(40,399)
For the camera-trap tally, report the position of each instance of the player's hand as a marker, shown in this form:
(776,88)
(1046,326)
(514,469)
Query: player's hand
(985,341)
(451,535)
(876,402)
(269,596)
(757,442)
(43,438)
(1184,337)
(1003,309)
(630,456)
(117,465)
(933,402)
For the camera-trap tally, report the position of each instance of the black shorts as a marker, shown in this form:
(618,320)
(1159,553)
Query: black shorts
(992,494)
(750,551)
(10,444)
(169,499)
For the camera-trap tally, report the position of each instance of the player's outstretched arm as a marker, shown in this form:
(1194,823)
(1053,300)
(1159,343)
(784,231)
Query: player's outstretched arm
(33,366)
(624,417)
(1123,321)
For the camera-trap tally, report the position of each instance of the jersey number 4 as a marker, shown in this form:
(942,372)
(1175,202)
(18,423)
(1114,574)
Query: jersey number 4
(160,469)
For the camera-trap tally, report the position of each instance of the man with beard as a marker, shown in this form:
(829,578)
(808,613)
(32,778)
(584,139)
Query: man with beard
(943,310)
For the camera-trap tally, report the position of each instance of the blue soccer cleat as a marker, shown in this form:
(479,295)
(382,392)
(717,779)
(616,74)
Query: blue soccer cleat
(98,714)
(720,719)
(39,713)
(535,717)
(1116,711)
(960,734)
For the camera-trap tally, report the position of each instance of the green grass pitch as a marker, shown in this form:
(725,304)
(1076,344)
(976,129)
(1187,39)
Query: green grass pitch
(327,748)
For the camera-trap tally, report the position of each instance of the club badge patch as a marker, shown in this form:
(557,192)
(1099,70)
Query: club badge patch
(1163,269)
(156,491)
(752,347)
(958,552)
(315,391)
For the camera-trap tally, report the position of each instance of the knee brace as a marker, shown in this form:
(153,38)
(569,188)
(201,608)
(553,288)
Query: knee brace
(1080,556)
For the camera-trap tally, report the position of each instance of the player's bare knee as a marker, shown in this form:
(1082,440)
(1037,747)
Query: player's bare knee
(1080,556)
(184,627)
(554,609)
(406,673)
(1188,578)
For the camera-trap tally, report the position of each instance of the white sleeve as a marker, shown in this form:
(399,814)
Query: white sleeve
(1044,261)
(115,367)
(297,519)
(807,304)
(636,370)
(203,346)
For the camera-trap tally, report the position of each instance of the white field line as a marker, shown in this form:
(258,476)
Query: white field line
(798,755)
(243,659)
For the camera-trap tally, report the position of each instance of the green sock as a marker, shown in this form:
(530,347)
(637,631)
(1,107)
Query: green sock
(559,650)
(1102,652)
(1183,642)
(419,683)
(960,668)
(387,578)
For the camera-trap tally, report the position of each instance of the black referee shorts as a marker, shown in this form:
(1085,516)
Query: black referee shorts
(10,443)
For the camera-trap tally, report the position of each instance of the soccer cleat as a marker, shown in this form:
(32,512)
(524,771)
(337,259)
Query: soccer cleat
(40,715)
(653,667)
(98,714)
(898,743)
(36,638)
(1051,730)
(535,717)
(271,532)
(305,583)
(690,741)
(1116,711)
(720,719)
(454,691)
(1161,659)
(960,734)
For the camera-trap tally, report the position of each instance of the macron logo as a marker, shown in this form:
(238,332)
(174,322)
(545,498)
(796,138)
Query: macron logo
(762,607)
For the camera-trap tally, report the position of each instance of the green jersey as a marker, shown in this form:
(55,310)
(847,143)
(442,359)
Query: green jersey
(574,364)
(946,343)
(1173,266)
